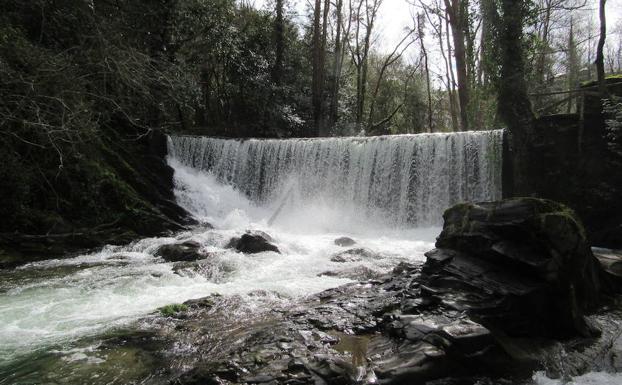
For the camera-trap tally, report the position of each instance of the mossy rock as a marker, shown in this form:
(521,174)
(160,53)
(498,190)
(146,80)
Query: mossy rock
(173,310)
(538,243)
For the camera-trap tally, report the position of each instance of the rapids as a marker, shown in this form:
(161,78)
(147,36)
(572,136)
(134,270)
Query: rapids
(387,193)
(348,184)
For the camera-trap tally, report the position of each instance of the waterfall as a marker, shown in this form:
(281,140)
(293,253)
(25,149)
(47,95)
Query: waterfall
(400,180)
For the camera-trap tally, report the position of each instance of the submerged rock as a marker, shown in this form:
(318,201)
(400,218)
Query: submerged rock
(344,241)
(213,267)
(252,243)
(358,273)
(355,255)
(180,252)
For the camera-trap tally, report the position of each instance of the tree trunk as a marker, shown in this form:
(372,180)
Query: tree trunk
(337,63)
(452,94)
(455,13)
(279,42)
(544,37)
(600,57)
(572,65)
(321,126)
(316,89)
(426,68)
(514,107)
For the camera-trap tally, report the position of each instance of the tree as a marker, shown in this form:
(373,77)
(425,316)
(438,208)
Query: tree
(600,58)
(338,57)
(457,16)
(279,42)
(389,60)
(319,58)
(421,36)
(514,106)
(572,63)
(359,50)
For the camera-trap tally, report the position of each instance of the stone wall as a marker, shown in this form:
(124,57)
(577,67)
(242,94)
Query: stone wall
(571,164)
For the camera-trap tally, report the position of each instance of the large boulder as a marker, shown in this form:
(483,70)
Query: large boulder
(252,243)
(523,266)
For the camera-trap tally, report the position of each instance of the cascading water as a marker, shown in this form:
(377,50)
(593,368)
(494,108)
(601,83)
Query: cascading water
(397,181)
(56,315)
(387,193)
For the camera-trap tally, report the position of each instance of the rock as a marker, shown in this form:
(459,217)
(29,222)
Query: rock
(252,243)
(354,255)
(522,265)
(262,234)
(344,241)
(180,252)
(358,273)
(508,284)
(611,263)
(214,266)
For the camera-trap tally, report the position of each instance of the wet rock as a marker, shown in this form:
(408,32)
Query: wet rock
(611,262)
(482,309)
(252,243)
(344,241)
(178,252)
(354,255)
(210,266)
(358,273)
(262,234)
(522,266)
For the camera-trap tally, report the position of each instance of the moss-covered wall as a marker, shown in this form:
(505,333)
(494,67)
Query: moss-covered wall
(571,164)
(120,188)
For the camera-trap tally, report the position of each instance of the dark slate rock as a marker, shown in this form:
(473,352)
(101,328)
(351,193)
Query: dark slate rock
(358,273)
(180,252)
(345,242)
(481,310)
(252,243)
(521,265)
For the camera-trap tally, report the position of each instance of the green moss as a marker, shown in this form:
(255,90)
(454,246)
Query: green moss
(173,309)
(462,211)
(589,83)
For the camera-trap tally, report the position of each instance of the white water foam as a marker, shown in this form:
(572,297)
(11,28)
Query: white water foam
(397,181)
(593,378)
(54,302)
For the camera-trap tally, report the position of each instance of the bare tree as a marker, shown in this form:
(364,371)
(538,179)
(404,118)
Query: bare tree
(279,42)
(393,57)
(319,58)
(572,64)
(316,90)
(457,13)
(420,36)
(600,58)
(337,63)
(359,49)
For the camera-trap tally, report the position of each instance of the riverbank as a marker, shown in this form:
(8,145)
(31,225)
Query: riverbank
(120,191)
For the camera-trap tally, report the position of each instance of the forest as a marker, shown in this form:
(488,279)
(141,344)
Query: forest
(231,67)
(310,192)
(79,77)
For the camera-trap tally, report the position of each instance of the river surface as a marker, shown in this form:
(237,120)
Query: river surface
(58,317)
(55,310)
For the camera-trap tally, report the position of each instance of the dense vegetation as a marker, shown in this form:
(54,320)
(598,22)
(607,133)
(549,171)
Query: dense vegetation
(84,85)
